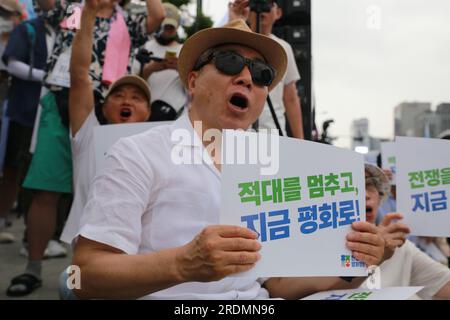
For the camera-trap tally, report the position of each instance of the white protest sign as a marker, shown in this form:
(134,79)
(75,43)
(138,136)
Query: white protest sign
(423,185)
(388,158)
(60,75)
(303,212)
(390,293)
(106,136)
(371,157)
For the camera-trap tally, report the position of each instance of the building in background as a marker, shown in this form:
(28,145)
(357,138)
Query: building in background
(427,125)
(362,141)
(360,135)
(443,113)
(417,119)
(406,114)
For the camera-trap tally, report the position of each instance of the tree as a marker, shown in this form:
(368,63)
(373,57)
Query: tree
(200,22)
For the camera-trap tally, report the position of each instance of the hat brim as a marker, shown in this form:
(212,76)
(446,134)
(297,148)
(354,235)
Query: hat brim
(132,80)
(170,22)
(12,8)
(272,51)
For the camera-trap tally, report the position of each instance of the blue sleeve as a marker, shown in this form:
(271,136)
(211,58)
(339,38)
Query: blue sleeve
(18,46)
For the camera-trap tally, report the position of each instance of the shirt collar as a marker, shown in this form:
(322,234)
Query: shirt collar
(194,141)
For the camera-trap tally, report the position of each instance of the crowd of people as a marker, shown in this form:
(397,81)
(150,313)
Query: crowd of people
(144,226)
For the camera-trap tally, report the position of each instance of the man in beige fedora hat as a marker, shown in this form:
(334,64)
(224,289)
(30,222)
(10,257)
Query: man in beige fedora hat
(150,227)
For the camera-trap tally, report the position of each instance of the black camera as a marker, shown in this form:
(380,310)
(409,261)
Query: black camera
(259,6)
(144,57)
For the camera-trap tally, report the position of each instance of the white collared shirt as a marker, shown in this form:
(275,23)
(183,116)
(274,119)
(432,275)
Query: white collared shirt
(143,202)
(83,163)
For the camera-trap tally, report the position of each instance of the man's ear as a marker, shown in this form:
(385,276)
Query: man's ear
(279,13)
(191,82)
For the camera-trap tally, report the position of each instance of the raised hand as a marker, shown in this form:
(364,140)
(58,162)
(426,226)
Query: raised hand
(393,233)
(366,243)
(238,9)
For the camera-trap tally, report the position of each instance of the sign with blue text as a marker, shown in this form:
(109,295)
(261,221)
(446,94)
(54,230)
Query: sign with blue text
(423,185)
(302,211)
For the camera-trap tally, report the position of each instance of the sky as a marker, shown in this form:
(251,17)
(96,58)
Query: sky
(370,55)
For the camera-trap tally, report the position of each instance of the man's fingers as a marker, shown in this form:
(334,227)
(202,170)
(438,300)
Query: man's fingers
(228,231)
(398,227)
(367,259)
(395,243)
(364,248)
(396,236)
(369,245)
(240,257)
(364,226)
(364,237)
(387,219)
(238,244)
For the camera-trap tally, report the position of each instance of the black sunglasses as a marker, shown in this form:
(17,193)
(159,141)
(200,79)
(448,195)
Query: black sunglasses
(232,63)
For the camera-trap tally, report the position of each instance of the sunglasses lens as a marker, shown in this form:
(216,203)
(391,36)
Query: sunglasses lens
(229,63)
(262,74)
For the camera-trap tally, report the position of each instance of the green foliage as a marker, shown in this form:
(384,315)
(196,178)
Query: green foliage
(201,22)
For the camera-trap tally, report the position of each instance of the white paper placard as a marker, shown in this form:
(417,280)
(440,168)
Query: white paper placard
(60,75)
(390,293)
(388,158)
(106,136)
(423,185)
(293,248)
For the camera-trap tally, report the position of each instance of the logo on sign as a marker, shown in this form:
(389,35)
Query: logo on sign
(348,261)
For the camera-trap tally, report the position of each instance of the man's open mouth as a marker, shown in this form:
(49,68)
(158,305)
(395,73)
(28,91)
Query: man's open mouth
(125,112)
(239,101)
(369,210)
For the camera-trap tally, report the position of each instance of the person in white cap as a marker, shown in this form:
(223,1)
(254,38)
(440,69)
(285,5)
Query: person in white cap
(150,227)
(406,265)
(169,96)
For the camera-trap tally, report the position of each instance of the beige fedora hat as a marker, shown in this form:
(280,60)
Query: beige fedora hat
(12,6)
(235,32)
